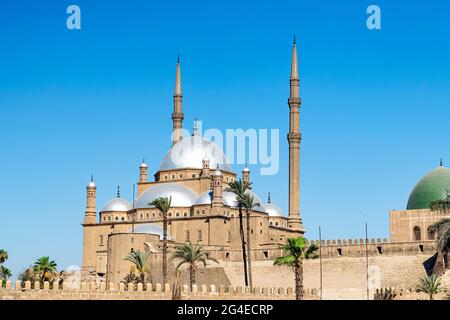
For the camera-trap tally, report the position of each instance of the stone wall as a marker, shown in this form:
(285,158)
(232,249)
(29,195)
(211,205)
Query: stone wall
(91,291)
(342,277)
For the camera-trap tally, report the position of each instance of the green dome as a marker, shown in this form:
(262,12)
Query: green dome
(430,188)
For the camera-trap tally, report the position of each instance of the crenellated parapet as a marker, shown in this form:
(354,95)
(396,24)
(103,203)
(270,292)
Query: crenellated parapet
(121,291)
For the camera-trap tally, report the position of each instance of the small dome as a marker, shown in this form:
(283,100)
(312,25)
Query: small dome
(228,198)
(91,184)
(431,187)
(117,204)
(246,170)
(189,153)
(143,165)
(181,195)
(217,173)
(151,228)
(272,209)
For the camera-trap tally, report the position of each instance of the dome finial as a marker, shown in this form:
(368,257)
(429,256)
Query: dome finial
(92,178)
(118,191)
(178,59)
(295,41)
(441,163)
(268,197)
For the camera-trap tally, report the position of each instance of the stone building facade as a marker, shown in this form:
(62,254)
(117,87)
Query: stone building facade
(195,174)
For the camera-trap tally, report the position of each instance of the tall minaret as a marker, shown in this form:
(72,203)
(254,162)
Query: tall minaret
(91,212)
(294,138)
(177,115)
(143,172)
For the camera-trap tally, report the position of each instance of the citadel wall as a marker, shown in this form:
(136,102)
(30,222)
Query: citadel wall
(112,291)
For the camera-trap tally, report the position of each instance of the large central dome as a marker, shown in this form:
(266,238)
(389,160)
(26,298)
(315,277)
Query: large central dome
(190,152)
(430,188)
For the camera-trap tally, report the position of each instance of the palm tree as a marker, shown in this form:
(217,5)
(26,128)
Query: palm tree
(46,267)
(139,259)
(3,256)
(5,274)
(249,203)
(239,188)
(441,229)
(163,205)
(191,255)
(294,252)
(430,285)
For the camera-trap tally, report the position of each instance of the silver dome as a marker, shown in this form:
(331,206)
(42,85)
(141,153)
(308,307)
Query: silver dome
(181,195)
(117,204)
(151,228)
(228,198)
(189,153)
(272,209)
(91,184)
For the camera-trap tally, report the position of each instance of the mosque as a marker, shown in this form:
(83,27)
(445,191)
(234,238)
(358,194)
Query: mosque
(195,173)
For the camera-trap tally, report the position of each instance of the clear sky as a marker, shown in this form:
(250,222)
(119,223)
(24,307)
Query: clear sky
(98,100)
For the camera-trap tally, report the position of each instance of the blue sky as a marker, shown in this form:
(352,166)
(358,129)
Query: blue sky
(99,99)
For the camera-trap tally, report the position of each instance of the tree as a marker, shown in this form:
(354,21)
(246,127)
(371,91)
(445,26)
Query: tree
(45,267)
(249,203)
(3,256)
(441,204)
(294,252)
(3,270)
(163,205)
(139,259)
(28,275)
(430,285)
(441,230)
(5,274)
(191,255)
(238,187)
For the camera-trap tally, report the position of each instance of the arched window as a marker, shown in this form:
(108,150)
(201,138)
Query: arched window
(200,235)
(188,236)
(416,233)
(430,235)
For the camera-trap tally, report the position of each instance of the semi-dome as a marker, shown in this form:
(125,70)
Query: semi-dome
(272,209)
(189,153)
(181,195)
(151,228)
(117,204)
(431,187)
(228,198)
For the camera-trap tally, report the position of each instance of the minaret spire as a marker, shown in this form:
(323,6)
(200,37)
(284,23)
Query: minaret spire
(177,115)
(294,139)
